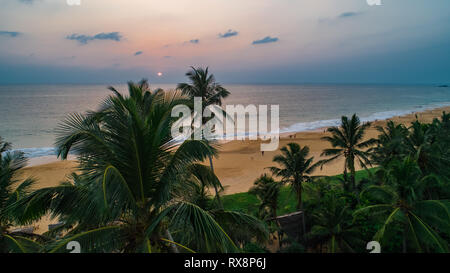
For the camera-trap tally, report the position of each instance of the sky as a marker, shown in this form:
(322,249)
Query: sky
(242,41)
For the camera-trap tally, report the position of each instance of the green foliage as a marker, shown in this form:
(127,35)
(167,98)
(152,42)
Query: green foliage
(139,190)
(132,192)
(203,85)
(347,141)
(12,190)
(403,202)
(287,201)
(293,247)
(295,168)
(267,191)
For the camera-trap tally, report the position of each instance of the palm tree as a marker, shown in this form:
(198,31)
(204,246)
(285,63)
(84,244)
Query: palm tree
(128,195)
(347,142)
(267,191)
(203,85)
(296,168)
(200,179)
(431,151)
(332,226)
(241,227)
(11,190)
(401,201)
(391,143)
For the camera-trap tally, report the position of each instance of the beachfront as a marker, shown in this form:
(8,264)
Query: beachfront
(239,162)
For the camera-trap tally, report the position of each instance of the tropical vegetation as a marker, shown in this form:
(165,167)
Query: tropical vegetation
(137,189)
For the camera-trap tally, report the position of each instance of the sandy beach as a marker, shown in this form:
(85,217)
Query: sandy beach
(239,162)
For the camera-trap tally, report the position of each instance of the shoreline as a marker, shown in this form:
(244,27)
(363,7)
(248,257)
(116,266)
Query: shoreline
(239,163)
(229,165)
(43,155)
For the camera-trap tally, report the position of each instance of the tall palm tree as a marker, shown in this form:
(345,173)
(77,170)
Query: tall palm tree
(203,84)
(401,201)
(128,197)
(267,190)
(295,168)
(11,190)
(348,142)
(332,226)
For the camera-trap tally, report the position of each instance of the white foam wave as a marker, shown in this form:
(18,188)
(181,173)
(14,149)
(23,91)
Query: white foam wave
(313,125)
(37,152)
(297,127)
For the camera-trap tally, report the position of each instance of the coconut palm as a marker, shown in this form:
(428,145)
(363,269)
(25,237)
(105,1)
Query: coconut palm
(431,149)
(333,226)
(200,180)
(131,170)
(347,141)
(203,84)
(295,168)
(241,227)
(401,202)
(391,143)
(267,190)
(11,190)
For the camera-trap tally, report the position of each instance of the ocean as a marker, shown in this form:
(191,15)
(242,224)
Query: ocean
(29,114)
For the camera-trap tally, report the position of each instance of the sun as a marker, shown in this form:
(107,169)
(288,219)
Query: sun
(159,74)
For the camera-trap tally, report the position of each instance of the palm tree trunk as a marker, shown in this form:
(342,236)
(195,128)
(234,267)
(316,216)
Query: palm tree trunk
(345,176)
(352,173)
(299,200)
(300,208)
(215,187)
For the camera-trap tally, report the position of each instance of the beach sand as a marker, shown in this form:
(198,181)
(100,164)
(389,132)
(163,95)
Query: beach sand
(239,162)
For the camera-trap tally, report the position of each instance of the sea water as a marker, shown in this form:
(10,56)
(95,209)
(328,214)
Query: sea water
(29,114)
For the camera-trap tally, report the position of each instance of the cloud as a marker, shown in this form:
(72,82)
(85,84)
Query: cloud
(342,16)
(27,1)
(229,33)
(167,57)
(193,41)
(348,14)
(10,33)
(265,40)
(84,39)
(138,53)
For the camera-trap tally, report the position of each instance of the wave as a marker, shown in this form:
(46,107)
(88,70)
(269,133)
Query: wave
(297,127)
(313,125)
(37,152)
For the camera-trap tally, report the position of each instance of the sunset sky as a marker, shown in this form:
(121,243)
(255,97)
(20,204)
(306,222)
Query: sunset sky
(242,41)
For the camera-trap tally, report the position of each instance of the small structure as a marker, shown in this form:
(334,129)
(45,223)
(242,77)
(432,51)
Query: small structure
(292,224)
